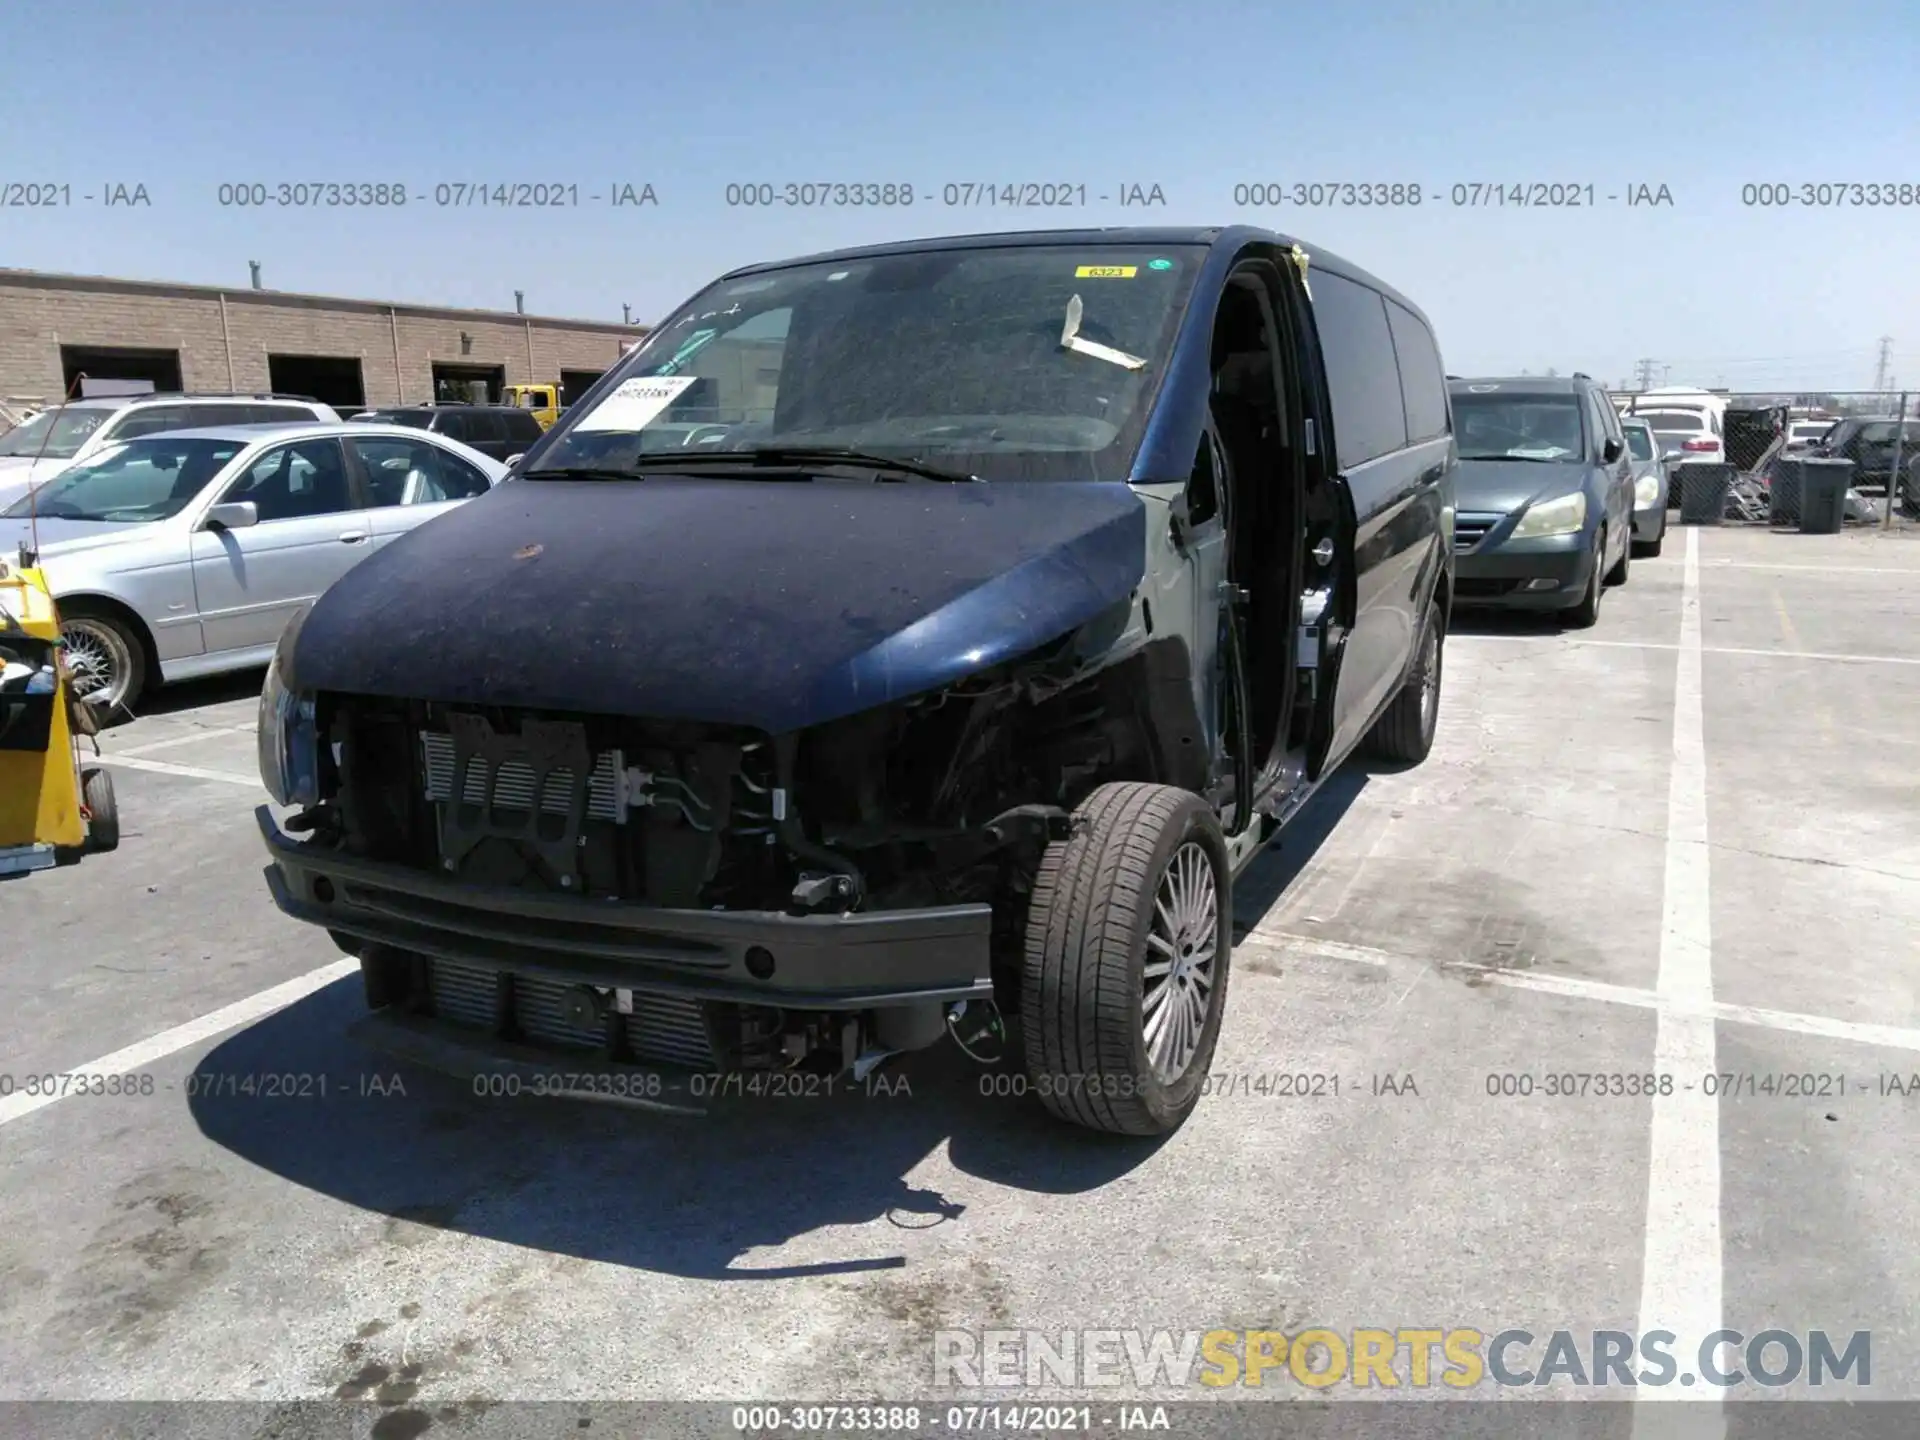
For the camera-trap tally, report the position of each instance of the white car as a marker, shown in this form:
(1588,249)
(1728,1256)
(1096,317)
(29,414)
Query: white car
(185,553)
(1803,435)
(1684,432)
(37,449)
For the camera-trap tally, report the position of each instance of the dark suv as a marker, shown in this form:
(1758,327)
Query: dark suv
(1871,442)
(903,643)
(1545,493)
(498,431)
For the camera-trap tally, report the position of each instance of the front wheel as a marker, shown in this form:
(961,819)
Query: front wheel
(1124,978)
(1586,614)
(1651,549)
(105,659)
(1618,574)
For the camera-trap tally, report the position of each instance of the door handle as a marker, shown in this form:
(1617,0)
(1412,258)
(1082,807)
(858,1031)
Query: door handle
(352,537)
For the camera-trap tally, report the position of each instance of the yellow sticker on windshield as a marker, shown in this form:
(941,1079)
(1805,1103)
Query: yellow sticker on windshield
(1106,272)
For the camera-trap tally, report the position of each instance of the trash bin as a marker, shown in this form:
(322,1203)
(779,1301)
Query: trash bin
(1823,496)
(1786,483)
(1704,488)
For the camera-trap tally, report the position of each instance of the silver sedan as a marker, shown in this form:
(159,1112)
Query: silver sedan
(1650,485)
(185,553)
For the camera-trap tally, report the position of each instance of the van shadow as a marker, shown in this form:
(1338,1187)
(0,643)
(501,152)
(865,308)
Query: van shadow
(1264,883)
(691,1197)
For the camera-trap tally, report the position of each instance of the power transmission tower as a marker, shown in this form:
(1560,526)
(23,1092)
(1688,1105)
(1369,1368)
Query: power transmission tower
(1880,371)
(1643,374)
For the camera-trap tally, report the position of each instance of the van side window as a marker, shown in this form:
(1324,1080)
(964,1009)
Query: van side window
(1423,380)
(1363,375)
(1609,420)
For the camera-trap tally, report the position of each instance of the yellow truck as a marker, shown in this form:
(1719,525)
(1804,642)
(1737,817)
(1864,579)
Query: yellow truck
(543,400)
(53,811)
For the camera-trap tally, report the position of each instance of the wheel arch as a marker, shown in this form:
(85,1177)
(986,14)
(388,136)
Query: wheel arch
(95,602)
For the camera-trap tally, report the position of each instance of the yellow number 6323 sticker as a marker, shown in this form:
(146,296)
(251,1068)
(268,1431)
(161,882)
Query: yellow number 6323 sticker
(1106,272)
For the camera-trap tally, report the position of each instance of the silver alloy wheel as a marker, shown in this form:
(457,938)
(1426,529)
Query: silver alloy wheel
(98,662)
(1182,941)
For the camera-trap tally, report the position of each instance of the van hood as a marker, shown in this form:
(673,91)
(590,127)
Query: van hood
(774,604)
(1500,487)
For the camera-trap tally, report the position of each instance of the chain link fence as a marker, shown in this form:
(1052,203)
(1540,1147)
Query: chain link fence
(1827,461)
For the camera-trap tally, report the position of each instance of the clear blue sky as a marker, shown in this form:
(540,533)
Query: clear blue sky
(1196,97)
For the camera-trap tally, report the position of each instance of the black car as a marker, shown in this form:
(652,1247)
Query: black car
(903,643)
(1545,493)
(1875,444)
(499,431)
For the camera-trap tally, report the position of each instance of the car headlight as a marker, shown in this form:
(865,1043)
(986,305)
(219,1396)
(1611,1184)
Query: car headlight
(288,734)
(1646,491)
(1564,515)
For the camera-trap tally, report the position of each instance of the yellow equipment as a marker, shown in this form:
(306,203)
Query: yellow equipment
(542,400)
(52,810)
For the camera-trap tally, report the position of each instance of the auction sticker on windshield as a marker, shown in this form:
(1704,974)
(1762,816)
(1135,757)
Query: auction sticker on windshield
(1105,272)
(634,402)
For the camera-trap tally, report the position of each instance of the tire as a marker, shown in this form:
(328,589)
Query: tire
(1651,549)
(103,826)
(1404,732)
(1618,574)
(1097,924)
(1587,613)
(106,659)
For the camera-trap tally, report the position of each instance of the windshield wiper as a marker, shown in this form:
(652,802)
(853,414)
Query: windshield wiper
(1518,459)
(801,456)
(577,472)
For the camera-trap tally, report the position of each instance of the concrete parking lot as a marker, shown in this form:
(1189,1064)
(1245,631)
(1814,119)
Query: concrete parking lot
(1685,842)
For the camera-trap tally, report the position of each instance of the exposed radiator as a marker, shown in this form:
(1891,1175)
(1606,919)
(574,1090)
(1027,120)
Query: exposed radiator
(663,1029)
(513,787)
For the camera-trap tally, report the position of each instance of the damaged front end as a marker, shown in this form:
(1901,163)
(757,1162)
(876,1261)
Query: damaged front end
(530,886)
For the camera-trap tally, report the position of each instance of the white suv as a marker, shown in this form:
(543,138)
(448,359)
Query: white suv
(1684,432)
(33,453)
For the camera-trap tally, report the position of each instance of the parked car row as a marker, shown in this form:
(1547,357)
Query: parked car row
(499,431)
(1555,494)
(1878,445)
(179,553)
(40,448)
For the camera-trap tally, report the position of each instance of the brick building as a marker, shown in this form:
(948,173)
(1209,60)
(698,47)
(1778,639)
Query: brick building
(349,353)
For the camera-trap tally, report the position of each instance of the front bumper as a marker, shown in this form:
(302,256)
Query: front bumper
(1651,523)
(1545,574)
(797,962)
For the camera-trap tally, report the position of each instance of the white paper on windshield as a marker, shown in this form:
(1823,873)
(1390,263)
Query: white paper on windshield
(1070,340)
(634,402)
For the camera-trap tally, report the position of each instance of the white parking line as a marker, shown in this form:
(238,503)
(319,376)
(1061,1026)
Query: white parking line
(195,737)
(1293,945)
(1681,1275)
(74,1081)
(1548,639)
(190,772)
(1839,569)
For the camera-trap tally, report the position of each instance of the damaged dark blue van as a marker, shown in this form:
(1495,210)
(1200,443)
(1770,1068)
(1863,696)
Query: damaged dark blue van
(904,643)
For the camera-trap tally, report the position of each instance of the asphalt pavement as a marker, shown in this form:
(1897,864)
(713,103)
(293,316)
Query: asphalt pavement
(1685,842)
